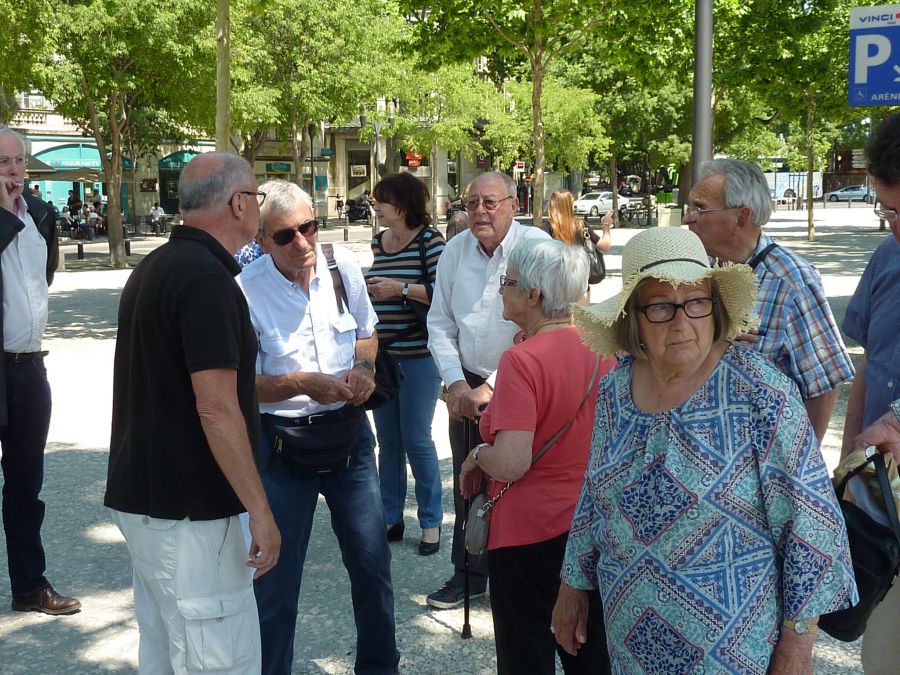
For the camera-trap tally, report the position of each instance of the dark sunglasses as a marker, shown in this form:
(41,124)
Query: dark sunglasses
(286,235)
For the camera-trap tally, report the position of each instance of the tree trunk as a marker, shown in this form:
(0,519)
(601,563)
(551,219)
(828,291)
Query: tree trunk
(810,223)
(223,76)
(112,166)
(434,201)
(297,145)
(614,183)
(115,233)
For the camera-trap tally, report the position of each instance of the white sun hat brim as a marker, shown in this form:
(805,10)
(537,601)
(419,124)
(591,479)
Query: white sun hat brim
(675,255)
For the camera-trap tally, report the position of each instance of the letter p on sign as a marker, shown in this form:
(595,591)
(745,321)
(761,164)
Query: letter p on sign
(871,50)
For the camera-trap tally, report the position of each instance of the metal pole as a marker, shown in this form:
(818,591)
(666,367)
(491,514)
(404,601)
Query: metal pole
(471,433)
(703,29)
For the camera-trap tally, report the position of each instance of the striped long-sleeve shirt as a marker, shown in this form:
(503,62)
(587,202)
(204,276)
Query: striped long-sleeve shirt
(395,315)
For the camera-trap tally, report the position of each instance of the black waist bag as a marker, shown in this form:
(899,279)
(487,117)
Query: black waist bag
(875,551)
(317,448)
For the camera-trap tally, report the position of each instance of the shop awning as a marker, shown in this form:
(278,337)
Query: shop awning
(34,165)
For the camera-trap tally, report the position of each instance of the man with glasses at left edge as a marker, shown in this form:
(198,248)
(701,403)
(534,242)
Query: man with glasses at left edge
(317,345)
(29,257)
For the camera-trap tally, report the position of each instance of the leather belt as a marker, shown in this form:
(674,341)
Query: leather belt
(328,416)
(23,357)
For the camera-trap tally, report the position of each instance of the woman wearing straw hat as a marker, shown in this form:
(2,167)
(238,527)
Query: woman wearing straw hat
(538,428)
(706,518)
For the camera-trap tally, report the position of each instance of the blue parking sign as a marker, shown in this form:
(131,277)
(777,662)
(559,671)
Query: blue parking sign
(874,56)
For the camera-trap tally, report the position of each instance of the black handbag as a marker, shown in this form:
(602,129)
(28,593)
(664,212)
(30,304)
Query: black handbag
(875,551)
(317,447)
(387,379)
(387,370)
(597,267)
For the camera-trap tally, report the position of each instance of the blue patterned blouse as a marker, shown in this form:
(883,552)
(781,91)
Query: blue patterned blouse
(706,525)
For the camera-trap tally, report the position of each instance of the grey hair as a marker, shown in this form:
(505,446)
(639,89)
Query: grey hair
(557,270)
(508,182)
(745,185)
(214,188)
(281,197)
(6,131)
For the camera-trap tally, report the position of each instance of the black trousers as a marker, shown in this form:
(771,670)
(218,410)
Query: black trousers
(524,586)
(460,447)
(23,440)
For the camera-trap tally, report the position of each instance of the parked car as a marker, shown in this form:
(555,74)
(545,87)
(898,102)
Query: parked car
(597,203)
(452,207)
(857,193)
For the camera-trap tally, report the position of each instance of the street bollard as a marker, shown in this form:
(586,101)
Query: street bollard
(80,250)
(346,233)
(127,247)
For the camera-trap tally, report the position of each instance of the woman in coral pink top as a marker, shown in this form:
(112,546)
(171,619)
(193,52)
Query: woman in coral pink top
(546,384)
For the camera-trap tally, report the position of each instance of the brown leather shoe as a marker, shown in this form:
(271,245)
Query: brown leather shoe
(46,600)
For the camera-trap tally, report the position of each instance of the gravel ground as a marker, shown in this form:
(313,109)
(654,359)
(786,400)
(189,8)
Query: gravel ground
(87,556)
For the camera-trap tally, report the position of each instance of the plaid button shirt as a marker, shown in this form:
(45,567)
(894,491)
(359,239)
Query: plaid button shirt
(797,329)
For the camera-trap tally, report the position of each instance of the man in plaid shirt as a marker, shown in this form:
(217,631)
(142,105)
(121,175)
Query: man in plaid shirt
(727,209)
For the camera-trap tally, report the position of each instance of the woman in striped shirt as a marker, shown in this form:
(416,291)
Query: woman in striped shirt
(405,260)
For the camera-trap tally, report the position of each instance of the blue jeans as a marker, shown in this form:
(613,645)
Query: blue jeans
(357,519)
(23,440)
(403,426)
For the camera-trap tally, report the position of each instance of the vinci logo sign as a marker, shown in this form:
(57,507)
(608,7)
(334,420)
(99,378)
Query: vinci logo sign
(874,56)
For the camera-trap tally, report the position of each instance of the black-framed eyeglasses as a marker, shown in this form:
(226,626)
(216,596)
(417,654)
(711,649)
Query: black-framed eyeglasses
(488,203)
(694,212)
(286,235)
(889,215)
(260,196)
(663,312)
(507,281)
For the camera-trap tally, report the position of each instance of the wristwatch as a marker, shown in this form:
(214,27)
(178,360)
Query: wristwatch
(365,363)
(476,450)
(800,627)
(405,292)
(895,406)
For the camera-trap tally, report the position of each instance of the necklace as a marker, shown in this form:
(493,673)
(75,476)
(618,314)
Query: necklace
(548,324)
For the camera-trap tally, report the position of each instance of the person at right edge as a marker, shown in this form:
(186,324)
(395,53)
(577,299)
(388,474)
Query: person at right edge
(466,336)
(873,320)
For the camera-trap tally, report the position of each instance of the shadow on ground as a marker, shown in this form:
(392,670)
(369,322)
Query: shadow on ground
(85,313)
(85,558)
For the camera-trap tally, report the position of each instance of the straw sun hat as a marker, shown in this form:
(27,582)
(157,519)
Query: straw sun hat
(675,255)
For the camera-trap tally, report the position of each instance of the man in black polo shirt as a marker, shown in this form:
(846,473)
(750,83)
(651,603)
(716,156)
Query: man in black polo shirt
(184,429)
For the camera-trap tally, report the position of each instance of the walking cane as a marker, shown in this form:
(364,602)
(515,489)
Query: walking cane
(471,442)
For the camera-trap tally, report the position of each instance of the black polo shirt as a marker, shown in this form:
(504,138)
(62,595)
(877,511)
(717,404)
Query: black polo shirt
(180,312)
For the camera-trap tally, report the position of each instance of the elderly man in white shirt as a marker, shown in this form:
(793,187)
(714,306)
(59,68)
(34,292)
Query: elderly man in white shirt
(317,345)
(467,334)
(28,258)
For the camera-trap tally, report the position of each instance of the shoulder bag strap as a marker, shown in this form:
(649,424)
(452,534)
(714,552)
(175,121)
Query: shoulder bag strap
(429,289)
(340,295)
(559,433)
(759,257)
(488,505)
(887,494)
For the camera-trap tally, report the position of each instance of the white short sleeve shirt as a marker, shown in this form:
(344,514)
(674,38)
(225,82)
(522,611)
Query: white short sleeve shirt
(304,333)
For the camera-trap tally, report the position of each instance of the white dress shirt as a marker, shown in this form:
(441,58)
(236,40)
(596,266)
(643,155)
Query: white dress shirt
(24,265)
(466,328)
(304,333)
